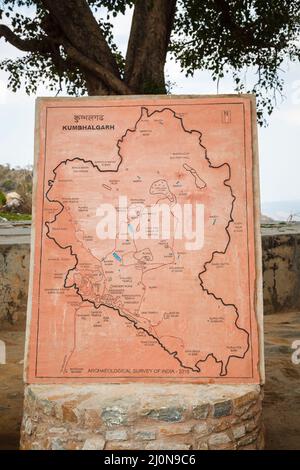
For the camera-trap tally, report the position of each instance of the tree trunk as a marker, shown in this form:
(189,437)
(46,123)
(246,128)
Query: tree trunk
(151,28)
(95,87)
(80,29)
(75,41)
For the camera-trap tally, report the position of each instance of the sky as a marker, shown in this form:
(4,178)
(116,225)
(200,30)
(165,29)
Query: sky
(279,143)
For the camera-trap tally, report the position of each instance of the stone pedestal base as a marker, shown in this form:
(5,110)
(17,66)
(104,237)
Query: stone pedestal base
(142,416)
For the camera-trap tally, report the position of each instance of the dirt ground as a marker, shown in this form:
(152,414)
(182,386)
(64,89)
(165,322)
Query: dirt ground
(282,389)
(11,387)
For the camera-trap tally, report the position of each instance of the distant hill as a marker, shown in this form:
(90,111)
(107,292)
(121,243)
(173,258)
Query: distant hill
(264,219)
(282,210)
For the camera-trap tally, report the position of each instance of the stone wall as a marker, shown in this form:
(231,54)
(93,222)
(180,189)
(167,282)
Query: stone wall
(281,274)
(14,274)
(142,416)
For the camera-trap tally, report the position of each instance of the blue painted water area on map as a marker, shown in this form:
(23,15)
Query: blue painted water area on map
(131,228)
(115,255)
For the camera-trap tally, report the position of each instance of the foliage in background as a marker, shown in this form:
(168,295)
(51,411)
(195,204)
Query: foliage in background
(19,180)
(2,199)
(69,45)
(14,216)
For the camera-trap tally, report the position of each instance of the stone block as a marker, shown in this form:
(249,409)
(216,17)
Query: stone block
(201,429)
(219,438)
(175,429)
(116,435)
(223,408)
(145,435)
(94,443)
(166,414)
(167,445)
(200,411)
(113,415)
(239,432)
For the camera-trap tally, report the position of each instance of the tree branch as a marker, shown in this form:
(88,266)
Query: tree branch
(80,28)
(107,77)
(43,45)
(95,72)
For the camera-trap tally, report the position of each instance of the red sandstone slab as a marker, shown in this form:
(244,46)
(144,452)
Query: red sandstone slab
(172,297)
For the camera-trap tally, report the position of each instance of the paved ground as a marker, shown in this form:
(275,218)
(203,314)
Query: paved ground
(14,232)
(280,228)
(282,391)
(19,231)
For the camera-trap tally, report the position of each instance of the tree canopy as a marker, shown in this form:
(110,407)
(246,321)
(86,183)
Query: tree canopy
(69,44)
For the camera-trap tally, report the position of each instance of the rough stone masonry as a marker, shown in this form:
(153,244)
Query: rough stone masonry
(142,416)
(14,273)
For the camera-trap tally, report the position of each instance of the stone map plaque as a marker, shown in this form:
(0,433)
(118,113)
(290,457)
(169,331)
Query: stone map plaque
(146,246)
